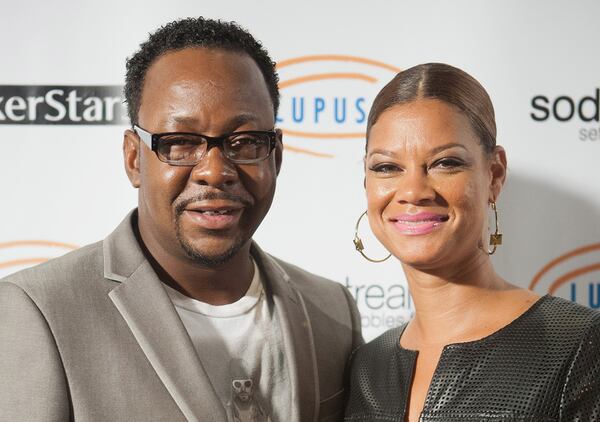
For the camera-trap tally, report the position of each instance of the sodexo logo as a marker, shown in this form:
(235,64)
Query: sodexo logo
(62,105)
(327,97)
(565,108)
(574,275)
(19,254)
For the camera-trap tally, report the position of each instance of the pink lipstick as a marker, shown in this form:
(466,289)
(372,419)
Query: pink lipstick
(418,224)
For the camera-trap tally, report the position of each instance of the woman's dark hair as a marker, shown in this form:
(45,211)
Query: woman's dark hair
(442,82)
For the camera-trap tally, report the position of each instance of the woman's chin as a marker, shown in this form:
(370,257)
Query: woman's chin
(420,258)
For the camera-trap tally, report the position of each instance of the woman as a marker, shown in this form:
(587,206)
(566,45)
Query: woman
(478,347)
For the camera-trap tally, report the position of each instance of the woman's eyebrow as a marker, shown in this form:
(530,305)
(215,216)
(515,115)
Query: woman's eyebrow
(447,146)
(432,151)
(382,152)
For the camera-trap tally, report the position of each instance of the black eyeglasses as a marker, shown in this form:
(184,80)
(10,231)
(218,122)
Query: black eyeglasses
(187,149)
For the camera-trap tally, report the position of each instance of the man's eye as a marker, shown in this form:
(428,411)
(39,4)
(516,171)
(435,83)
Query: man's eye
(182,140)
(242,141)
(179,147)
(178,141)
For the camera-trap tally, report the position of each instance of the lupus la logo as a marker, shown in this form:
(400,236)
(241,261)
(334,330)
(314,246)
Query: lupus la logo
(20,254)
(574,275)
(328,97)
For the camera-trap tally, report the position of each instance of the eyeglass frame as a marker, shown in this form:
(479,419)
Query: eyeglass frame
(152,141)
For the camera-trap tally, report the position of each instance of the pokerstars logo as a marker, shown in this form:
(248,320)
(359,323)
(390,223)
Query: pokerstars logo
(20,254)
(574,275)
(327,98)
(62,105)
(565,108)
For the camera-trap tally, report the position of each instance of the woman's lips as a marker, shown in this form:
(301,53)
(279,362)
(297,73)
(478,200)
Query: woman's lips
(418,224)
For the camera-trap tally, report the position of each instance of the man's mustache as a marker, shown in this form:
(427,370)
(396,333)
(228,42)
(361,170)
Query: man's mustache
(210,196)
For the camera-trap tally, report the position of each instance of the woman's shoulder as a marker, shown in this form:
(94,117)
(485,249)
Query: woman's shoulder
(562,317)
(385,343)
(579,329)
(380,352)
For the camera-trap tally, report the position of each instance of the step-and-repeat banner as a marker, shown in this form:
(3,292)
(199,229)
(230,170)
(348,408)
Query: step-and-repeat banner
(61,126)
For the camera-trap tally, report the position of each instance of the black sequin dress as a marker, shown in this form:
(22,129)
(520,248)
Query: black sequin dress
(542,367)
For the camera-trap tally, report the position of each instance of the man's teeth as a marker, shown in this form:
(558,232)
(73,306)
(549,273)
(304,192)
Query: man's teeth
(216,212)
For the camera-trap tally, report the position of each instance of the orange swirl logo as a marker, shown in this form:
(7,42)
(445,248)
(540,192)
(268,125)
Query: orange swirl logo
(574,275)
(327,97)
(20,254)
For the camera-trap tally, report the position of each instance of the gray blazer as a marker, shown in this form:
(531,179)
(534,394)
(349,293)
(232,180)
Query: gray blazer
(93,336)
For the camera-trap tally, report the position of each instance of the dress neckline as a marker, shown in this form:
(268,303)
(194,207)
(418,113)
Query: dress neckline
(445,350)
(486,338)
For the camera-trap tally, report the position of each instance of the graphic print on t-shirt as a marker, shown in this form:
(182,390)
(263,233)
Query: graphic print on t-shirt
(241,348)
(244,405)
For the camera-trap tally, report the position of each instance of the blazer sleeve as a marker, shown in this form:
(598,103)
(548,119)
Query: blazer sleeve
(581,395)
(33,385)
(357,337)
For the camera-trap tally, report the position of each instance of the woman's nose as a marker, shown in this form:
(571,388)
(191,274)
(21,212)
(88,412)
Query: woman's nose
(415,188)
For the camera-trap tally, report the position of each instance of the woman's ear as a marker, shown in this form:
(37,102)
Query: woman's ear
(498,168)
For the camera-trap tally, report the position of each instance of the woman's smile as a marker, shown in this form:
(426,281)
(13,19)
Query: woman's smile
(418,224)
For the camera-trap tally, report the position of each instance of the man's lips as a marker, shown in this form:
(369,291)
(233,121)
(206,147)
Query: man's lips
(214,215)
(418,224)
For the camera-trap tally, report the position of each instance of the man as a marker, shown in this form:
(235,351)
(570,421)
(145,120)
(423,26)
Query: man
(178,315)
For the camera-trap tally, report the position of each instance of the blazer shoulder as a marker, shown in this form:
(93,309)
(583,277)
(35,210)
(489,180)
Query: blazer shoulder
(305,280)
(60,274)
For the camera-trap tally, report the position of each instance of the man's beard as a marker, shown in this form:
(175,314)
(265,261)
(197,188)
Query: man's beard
(203,259)
(196,256)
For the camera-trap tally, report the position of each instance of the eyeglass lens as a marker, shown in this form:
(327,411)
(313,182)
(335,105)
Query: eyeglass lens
(190,148)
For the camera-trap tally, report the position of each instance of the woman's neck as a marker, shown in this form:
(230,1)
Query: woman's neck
(461,305)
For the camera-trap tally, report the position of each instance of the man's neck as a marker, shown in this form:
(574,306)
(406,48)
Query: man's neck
(216,285)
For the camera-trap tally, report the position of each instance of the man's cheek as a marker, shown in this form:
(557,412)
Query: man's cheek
(256,182)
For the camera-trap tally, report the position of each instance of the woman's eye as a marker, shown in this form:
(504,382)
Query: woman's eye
(384,168)
(449,163)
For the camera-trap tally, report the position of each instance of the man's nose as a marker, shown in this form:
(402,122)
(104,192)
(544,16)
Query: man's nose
(214,169)
(415,187)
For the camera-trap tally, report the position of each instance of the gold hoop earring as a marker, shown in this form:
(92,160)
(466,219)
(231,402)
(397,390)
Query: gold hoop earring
(496,237)
(359,245)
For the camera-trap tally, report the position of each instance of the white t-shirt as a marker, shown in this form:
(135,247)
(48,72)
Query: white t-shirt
(241,348)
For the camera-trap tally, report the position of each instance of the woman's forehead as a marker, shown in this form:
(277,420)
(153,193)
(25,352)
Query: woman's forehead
(423,124)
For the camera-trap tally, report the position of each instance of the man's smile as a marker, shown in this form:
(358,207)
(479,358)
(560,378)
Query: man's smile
(214,215)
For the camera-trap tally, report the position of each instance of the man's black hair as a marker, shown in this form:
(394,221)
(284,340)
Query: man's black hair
(195,32)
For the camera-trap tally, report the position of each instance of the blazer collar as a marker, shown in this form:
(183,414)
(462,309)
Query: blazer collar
(122,252)
(155,324)
(297,336)
(146,308)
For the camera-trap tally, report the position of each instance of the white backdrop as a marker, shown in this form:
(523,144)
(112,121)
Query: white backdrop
(64,186)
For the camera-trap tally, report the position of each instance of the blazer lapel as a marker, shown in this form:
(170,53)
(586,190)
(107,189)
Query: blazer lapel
(155,324)
(297,337)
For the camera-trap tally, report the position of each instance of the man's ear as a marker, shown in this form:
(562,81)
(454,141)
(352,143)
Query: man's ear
(278,149)
(498,168)
(131,157)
